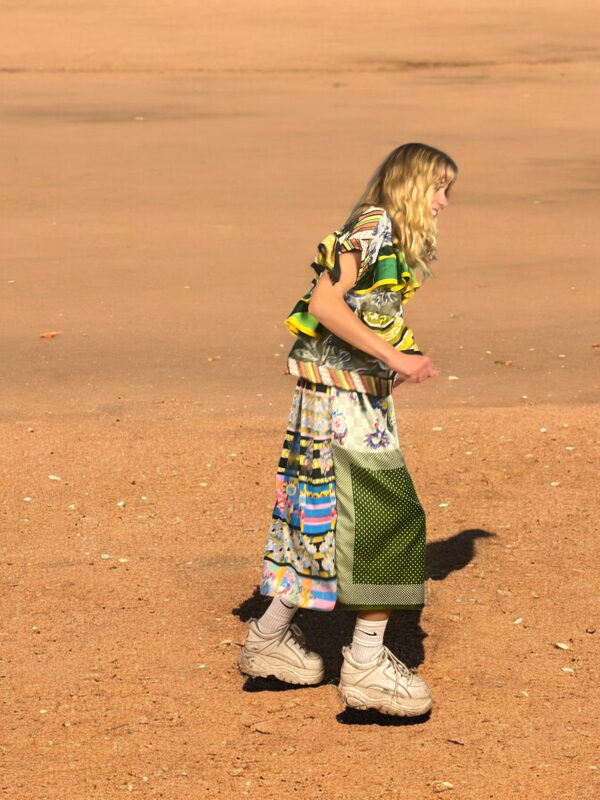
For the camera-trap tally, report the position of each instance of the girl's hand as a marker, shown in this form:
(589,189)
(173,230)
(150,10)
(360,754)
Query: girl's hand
(412,368)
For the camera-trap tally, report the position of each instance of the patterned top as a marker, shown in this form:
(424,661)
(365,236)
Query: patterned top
(384,283)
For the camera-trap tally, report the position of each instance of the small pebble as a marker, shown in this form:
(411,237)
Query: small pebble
(453,378)
(468,452)
(72,507)
(567,669)
(437,428)
(43,710)
(27,499)
(104,556)
(561,646)
(143,497)
(200,666)
(121,504)
(54,478)
(524,397)
(444,505)
(123,560)
(524,692)
(554,483)
(517,621)
(569,448)
(543,430)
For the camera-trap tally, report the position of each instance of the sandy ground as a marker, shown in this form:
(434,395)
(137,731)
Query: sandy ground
(166,174)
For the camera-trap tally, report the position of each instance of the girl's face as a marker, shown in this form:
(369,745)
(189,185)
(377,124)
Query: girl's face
(439,199)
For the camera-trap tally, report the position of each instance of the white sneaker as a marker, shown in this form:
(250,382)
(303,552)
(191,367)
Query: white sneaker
(384,684)
(281,655)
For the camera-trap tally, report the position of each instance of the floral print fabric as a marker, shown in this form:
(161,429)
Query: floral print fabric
(384,283)
(299,562)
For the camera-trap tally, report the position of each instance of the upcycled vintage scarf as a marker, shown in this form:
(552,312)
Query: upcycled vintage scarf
(384,284)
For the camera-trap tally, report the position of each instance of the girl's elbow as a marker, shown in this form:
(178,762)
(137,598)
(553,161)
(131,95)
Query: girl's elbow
(314,307)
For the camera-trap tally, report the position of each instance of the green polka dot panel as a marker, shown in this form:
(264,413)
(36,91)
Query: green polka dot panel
(389,527)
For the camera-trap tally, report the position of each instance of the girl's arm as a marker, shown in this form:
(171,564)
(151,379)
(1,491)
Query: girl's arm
(327,304)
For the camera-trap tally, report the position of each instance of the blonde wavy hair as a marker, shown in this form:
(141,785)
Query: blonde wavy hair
(404,186)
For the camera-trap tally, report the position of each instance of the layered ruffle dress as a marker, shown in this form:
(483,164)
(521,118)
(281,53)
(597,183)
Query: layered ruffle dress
(347,524)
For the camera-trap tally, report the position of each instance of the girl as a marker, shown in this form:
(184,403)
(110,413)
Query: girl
(347,525)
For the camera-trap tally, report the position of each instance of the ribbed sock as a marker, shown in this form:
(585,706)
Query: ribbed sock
(277,616)
(367,640)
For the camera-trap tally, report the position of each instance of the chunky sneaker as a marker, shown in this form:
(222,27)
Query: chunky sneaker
(281,655)
(384,684)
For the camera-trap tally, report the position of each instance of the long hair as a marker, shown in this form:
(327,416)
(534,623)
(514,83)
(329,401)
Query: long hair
(404,186)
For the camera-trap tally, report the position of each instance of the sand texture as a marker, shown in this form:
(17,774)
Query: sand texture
(167,170)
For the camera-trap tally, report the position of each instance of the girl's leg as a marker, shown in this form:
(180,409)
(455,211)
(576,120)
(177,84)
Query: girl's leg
(368,635)
(277,617)
(375,616)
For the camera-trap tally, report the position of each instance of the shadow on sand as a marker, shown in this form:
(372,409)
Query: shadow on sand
(326,633)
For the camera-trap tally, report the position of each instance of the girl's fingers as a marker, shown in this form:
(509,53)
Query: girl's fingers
(422,373)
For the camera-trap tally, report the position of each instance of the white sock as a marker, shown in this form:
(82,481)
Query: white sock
(277,616)
(367,640)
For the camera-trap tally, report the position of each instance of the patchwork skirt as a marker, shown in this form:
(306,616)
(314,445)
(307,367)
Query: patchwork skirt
(347,525)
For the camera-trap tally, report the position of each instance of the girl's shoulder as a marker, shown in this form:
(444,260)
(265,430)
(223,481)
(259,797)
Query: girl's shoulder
(367,231)
(366,220)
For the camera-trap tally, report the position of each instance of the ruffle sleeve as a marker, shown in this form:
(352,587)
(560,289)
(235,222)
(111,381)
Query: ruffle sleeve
(382,267)
(366,234)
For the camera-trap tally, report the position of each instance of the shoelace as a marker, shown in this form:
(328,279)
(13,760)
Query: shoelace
(299,638)
(399,668)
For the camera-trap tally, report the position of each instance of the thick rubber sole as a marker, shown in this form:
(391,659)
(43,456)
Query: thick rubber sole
(257,667)
(352,697)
